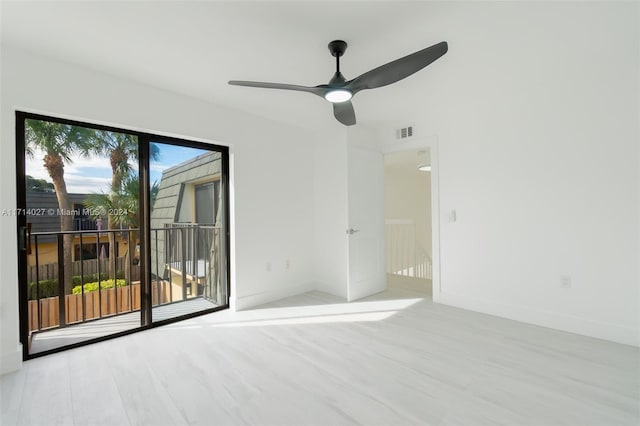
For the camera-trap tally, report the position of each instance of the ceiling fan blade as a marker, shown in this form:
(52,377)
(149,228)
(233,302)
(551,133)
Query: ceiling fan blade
(398,69)
(344,113)
(315,90)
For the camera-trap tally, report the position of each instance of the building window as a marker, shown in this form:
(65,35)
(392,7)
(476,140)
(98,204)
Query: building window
(206,203)
(92,251)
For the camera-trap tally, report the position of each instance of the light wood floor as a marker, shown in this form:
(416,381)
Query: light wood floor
(392,359)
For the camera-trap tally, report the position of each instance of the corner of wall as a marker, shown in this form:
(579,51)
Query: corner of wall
(253,300)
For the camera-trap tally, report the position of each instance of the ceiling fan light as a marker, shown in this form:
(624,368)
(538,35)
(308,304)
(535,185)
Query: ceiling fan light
(339,95)
(424,167)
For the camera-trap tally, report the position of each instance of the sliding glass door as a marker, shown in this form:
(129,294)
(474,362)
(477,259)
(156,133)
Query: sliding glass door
(188,224)
(118,231)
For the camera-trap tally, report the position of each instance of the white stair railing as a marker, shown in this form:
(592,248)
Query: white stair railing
(423,264)
(404,255)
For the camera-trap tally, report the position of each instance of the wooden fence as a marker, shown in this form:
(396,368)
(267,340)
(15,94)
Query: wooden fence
(97,304)
(49,271)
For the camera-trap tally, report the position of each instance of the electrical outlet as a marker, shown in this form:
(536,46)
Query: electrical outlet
(268,266)
(287,264)
(453,216)
(565,281)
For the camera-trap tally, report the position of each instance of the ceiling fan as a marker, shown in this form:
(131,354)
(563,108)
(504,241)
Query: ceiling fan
(339,91)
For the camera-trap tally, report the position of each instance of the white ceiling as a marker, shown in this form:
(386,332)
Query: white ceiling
(194,48)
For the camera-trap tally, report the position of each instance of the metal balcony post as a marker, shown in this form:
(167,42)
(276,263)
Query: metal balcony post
(183,262)
(61,277)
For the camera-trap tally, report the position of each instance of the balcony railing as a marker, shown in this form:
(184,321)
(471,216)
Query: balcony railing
(185,258)
(188,256)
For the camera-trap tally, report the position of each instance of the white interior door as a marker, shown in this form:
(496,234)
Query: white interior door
(366,223)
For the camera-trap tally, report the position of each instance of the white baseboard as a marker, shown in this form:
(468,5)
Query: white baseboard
(11,361)
(569,323)
(252,300)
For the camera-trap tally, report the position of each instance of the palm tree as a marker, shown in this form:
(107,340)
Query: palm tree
(121,148)
(59,142)
(125,200)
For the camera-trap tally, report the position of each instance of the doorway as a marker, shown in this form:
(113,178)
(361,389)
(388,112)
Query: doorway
(119,231)
(408,222)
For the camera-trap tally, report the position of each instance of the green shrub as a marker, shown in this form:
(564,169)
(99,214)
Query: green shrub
(48,288)
(89,278)
(93,286)
(92,278)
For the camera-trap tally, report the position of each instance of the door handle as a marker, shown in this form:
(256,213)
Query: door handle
(24,238)
(352,231)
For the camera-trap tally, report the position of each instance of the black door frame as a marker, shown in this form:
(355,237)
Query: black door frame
(144,141)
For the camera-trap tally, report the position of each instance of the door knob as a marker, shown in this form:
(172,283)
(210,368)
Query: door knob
(352,231)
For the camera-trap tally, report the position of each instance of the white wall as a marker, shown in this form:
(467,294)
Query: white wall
(537,118)
(407,195)
(271,178)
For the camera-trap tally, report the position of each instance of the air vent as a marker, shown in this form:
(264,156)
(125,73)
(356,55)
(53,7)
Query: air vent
(404,133)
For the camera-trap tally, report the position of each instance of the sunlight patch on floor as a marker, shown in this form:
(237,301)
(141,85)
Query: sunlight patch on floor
(365,311)
(318,319)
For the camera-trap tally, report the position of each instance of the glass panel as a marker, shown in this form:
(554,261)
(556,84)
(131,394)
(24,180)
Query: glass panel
(185,230)
(82,259)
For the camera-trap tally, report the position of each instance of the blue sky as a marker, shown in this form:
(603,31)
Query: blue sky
(170,155)
(93,174)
